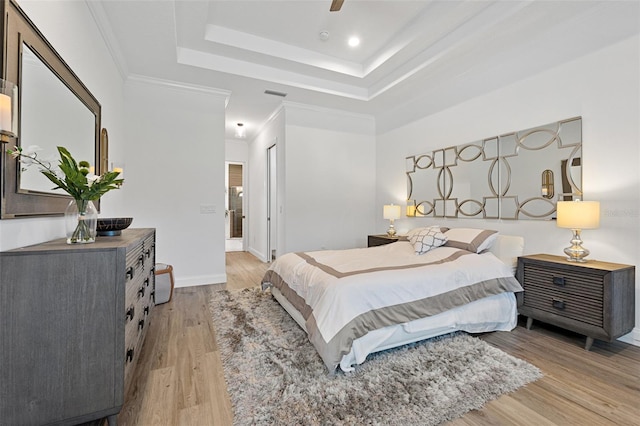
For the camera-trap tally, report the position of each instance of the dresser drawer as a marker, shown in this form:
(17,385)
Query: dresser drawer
(139,300)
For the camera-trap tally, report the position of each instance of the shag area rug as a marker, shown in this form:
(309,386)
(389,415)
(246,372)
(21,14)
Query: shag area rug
(275,376)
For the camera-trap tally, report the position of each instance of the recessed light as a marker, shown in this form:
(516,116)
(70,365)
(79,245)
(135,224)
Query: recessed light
(324,35)
(354,41)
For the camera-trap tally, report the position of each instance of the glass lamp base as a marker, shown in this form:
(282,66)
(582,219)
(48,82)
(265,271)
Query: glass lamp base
(575,252)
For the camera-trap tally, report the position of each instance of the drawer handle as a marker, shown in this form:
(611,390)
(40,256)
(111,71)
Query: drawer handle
(130,272)
(146,282)
(558,304)
(130,313)
(141,292)
(146,310)
(559,281)
(153,296)
(148,253)
(140,324)
(129,355)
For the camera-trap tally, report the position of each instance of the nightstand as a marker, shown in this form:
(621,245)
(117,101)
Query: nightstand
(380,240)
(593,298)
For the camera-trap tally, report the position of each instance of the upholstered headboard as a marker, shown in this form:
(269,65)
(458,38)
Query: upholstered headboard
(507,248)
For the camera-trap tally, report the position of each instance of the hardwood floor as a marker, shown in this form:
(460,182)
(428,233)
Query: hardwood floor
(179,379)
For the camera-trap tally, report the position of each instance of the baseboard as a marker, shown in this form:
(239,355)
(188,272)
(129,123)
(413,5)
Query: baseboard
(632,338)
(635,333)
(258,254)
(200,280)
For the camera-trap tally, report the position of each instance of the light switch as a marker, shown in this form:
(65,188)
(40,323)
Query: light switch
(207,209)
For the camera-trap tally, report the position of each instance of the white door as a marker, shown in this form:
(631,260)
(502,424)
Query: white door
(272,203)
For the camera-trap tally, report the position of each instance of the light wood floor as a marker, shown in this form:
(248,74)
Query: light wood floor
(179,378)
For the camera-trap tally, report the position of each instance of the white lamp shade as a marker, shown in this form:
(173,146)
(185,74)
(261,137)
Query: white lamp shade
(578,214)
(391,211)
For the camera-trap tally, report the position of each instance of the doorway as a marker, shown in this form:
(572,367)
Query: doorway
(234,207)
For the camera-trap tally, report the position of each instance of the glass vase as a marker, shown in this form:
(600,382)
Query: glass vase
(81,219)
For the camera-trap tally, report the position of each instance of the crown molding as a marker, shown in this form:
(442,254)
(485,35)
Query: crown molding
(142,79)
(196,58)
(110,40)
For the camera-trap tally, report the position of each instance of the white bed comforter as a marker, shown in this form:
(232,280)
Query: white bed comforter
(344,294)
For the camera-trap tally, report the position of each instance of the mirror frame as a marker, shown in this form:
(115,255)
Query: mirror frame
(17,29)
(438,170)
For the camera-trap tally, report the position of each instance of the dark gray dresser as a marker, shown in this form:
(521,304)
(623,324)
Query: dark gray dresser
(72,323)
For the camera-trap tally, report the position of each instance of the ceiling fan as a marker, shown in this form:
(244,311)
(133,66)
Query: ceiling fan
(336,5)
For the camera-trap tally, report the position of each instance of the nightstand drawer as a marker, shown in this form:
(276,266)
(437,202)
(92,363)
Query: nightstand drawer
(583,284)
(568,305)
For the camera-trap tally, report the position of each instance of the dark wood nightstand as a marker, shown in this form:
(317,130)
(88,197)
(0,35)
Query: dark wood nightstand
(380,240)
(593,298)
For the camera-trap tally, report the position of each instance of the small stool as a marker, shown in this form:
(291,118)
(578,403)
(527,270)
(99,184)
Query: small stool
(164,283)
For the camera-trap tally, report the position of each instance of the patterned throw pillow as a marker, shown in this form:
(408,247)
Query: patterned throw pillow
(427,239)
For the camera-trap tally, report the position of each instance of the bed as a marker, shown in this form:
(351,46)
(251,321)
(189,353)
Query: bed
(356,302)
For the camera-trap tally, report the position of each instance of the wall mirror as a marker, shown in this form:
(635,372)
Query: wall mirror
(56,109)
(518,175)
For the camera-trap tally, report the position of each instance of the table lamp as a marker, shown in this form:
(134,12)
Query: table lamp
(391,212)
(578,215)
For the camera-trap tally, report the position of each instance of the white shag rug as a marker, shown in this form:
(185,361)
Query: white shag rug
(275,377)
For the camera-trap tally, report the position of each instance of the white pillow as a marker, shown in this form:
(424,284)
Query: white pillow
(470,239)
(426,239)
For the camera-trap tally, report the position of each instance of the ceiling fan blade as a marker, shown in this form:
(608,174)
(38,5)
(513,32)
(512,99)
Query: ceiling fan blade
(336,5)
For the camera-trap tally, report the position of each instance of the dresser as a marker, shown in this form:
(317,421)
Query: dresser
(72,322)
(593,298)
(380,240)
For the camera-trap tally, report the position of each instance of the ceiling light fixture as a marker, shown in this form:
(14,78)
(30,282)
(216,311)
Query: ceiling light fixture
(354,41)
(324,35)
(240,131)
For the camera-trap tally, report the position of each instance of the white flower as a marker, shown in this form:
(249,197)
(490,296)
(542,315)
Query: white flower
(15,153)
(91,179)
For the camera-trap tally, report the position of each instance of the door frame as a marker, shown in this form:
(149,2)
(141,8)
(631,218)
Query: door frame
(227,220)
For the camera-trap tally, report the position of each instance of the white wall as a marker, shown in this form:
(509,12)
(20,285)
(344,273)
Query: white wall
(236,150)
(326,180)
(175,169)
(71,29)
(603,88)
(330,178)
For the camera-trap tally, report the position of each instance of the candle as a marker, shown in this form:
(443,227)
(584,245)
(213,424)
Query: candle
(5,113)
